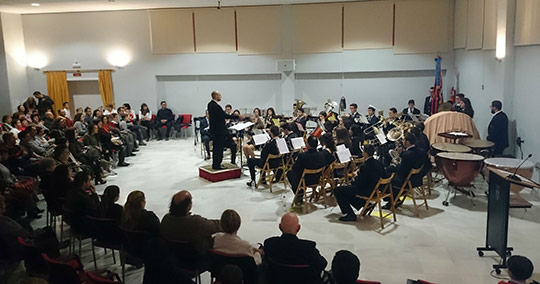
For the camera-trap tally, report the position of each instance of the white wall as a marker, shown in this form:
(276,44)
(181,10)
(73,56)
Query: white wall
(15,58)
(88,37)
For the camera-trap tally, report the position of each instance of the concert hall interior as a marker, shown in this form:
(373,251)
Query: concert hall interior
(368,141)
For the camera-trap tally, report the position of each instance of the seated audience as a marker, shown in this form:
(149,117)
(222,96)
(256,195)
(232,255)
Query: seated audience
(109,208)
(145,119)
(289,249)
(520,269)
(180,225)
(82,200)
(164,121)
(229,242)
(363,184)
(79,124)
(136,218)
(345,268)
(230,274)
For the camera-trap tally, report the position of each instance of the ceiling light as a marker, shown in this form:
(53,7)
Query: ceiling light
(35,4)
(119,58)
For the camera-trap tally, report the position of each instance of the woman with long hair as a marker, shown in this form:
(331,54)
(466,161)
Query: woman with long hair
(270,116)
(135,217)
(467,108)
(343,137)
(108,207)
(145,118)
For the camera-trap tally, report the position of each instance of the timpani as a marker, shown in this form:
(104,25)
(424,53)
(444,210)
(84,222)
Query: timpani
(449,147)
(478,145)
(510,165)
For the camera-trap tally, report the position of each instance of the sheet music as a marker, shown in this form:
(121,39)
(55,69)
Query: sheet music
(282,146)
(380,136)
(260,139)
(344,156)
(341,147)
(241,126)
(298,143)
(457,133)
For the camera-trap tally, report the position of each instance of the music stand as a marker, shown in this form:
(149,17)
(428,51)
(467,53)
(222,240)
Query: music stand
(240,127)
(497,214)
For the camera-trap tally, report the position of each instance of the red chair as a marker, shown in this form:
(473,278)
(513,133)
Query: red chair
(98,279)
(367,282)
(185,123)
(65,271)
(219,259)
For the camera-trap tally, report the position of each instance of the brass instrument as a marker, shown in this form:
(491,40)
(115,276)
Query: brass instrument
(394,154)
(394,134)
(298,104)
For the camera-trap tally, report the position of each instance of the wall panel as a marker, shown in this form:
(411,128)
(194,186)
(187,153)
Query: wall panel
(317,28)
(214,30)
(490,24)
(171,31)
(368,25)
(460,24)
(475,24)
(259,30)
(527,22)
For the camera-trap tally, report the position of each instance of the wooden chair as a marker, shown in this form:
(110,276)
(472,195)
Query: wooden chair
(302,187)
(382,190)
(269,173)
(407,190)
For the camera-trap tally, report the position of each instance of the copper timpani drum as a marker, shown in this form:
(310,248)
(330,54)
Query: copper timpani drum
(479,145)
(459,169)
(510,165)
(449,147)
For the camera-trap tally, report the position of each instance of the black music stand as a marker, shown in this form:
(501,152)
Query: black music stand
(497,214)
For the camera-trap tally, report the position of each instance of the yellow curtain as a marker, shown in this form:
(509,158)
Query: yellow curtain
(58,89)
(105,87)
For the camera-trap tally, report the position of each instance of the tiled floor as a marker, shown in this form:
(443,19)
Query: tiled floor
(439,246)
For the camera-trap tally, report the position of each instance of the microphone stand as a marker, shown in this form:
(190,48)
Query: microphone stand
(514,176)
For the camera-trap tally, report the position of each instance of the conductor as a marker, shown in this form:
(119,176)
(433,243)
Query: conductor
(218,130)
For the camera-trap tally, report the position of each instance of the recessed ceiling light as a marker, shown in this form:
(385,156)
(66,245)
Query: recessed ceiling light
(35,4)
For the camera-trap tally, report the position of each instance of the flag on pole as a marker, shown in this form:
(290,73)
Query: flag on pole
(437,98)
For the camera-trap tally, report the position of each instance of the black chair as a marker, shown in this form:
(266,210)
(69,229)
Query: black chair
(76,228)
(191,262)
(54,210)
(280,273)
(132,249)
(105,234)
(219,259)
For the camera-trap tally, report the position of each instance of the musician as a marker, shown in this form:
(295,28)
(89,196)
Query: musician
(429,99)
(324,124)
(498,128)
(218,131)
(269,118)
(412,158)
(328,147)
(356,128)
(288,134)
(269,148)
(228,110)
(311,159)
(363,184)
(409,111)
(205,133)
(392,117)
(372,118)
(343,138)
(422,141)
(300,120)
(164,121)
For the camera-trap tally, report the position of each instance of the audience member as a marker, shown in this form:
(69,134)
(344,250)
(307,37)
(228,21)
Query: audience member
(82,200)
(136,218)
(520,269)
(109,208)
(230,274)
(145,118)
(164,121)
(345,268)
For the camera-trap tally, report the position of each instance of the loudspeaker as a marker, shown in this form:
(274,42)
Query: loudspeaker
(285,65)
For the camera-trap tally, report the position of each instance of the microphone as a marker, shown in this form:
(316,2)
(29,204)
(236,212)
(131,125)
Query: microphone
(514,176)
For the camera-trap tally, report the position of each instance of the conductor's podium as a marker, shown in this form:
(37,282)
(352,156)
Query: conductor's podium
(231,172)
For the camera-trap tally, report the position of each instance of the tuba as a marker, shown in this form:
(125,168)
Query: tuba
(299,104)
(394,134)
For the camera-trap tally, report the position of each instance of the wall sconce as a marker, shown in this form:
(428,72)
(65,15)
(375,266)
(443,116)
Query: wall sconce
(500,43)
(119,58)
(37,60)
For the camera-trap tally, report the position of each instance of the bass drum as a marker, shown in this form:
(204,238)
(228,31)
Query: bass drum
(460,169)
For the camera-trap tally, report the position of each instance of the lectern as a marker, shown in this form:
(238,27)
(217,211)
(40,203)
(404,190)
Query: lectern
(499,203)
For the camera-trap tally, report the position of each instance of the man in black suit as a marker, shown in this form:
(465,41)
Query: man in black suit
(288,135)
(427,101)
(409,111)
(355,126)
(368,176)
(204,128)
(311,159)
(412,158)
(218,131)
(498,128)
(164,121)
(269,148)
(44,104)
(289,249)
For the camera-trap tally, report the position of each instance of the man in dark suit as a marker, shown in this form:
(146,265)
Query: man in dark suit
(218,131)
(204,128)
(311,159)
(288,135)
(409,111)
(289,249)
(269,148)
(44,104)
(164,121)
(412,158)
(368,176)
(354,124)
(427,101)
(498,128)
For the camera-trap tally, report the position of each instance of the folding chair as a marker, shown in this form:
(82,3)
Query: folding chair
(269,173)
(407,190)
(382,190)
(302,187)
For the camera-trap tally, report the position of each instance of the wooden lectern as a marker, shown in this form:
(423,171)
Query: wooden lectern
(499,203)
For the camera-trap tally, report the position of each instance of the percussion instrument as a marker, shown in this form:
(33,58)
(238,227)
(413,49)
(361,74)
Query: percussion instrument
(460,169)
(478,145)
(510,165)
(449,147)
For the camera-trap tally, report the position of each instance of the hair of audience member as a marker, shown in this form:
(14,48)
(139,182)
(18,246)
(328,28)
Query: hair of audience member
(520,268)
(59,151)
(312,142)
(231,274)
(497,104)
(132,208)
(369,149)
(46,164)
(274,130)
(8,136)
(127,106)
(81,178)
(180,203)
(345,267)
(5,118)
(230,221)
(61,173)
(343,137)
(95,113)
(468,105)
(411,138)
(23,135)
(78,117)
(144,109)
(70,135)
(109,197)
(290,224)
(327,140)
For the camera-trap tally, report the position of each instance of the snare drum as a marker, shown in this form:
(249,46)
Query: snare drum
(510,165)
(460,169)
(448,147)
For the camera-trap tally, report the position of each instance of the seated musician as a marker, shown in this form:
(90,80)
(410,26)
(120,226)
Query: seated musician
(257,128)
(392,117)
(422,142)
(311,159)
(205,133)
(288,134)
(372,118)
(328,147)
(369,174)
(409,111)
(300,120)
(412,158)
(355,126)
(269,148)
(325,124)
(271,118)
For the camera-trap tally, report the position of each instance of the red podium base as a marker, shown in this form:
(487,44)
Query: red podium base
(231,172)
